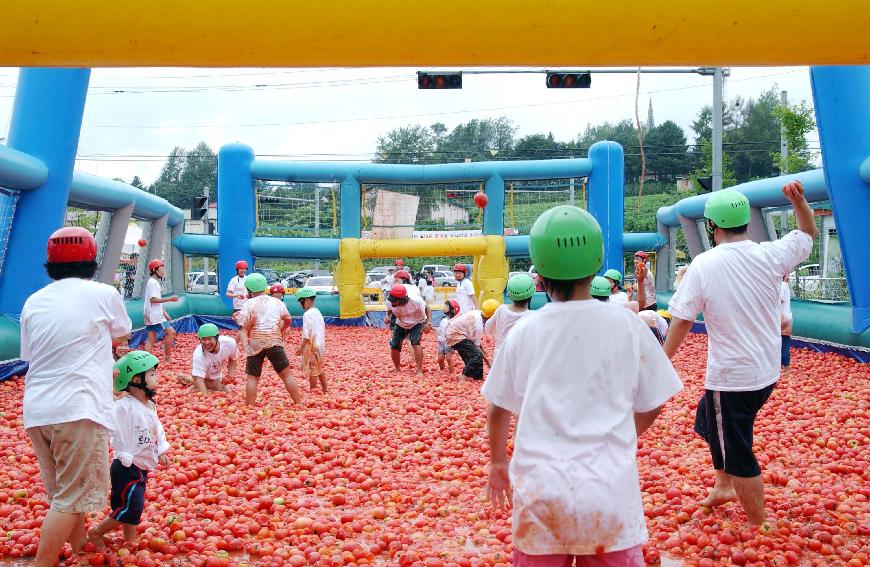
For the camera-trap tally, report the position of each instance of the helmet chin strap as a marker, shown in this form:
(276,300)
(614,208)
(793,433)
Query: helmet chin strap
(149,393)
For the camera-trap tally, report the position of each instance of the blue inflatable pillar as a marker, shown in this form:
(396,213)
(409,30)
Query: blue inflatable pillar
(237,212)
(493,214)
(349,204)
(842,100)
(46,121)
(606,195)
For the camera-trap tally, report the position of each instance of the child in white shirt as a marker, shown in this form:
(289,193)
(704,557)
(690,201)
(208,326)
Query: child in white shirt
(313,339)
(139,442)
(155,316)
(572,373)
(445,353)
(464,334)
(464,289)
(785,321)
(521,288)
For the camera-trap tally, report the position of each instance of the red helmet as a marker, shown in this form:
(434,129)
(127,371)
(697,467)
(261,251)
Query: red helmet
(276,288)
(154,264)
(454,305)
(402,274)
(71,244)
(460,268)
(400,262)
(398,291)
(641,254)
(241,265)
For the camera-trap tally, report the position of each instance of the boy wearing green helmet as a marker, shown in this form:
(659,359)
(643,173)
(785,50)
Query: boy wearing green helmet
(313,339)
(737,286)
(600,289)
(206,366)
(139,442)
(520,289)
(263,321)
(572,373)
(616,293)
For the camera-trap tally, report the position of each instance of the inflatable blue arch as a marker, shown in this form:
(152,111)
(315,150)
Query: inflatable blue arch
(37,177)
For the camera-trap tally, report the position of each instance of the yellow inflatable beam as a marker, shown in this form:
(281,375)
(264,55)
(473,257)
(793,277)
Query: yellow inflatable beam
(278,33)
(489,274)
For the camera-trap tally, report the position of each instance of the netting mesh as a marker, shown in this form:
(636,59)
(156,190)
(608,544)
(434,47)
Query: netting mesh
(398,211)
(298,209)
(8,202)
(524,201)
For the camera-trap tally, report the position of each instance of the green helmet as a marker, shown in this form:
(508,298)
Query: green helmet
(600,287)
(614,275)
(520,287)
(304,292)
(207,330)
(565,243)
(727,208)
(133,363)
(256,283)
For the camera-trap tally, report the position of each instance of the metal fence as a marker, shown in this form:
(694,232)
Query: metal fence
(8,202)
(526,200)
(298,209)
(397,211)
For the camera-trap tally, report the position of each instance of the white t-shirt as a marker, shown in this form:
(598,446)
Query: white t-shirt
(153,312)
(468,325)
(138,437)
(209,365)
(649,291)
(576,372)
(66,335)
(235,287)
(261,318)
(442,331)
(386,284)
(314,329)
(428,294)
(619,297)
(465,295)
(653,319)
(413,291)
(737,286)
(502,321)
(410,314)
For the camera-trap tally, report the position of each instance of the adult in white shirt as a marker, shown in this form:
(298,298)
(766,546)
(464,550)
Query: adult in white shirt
(67,329)
(236,288)
(737,286)
(412,317)
(155,316)
(464,289)
(786,320)
(213,351)
(586,378)
(646,284)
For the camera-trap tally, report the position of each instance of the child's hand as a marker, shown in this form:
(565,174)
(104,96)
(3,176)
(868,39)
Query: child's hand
(163,459)
(498,490)
(794,192)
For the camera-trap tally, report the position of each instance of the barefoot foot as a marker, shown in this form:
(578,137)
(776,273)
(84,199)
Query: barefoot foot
(718,496)
(96,539)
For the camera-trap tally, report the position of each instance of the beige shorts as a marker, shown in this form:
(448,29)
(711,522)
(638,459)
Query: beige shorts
(74,464)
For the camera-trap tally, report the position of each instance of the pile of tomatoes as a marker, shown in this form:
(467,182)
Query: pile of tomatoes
(390,468)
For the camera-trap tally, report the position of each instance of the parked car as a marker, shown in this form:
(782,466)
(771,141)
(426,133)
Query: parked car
(270,275)
(382,269)
(199,284)
(374,279)
(437,268)
(444,279)
(807,278)
(322,284)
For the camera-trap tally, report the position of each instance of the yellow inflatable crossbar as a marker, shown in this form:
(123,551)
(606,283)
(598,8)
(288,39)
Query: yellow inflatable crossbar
(277,33)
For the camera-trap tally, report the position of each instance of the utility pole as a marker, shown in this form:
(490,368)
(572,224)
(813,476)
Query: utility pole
(571,192)
(205,230)
(317,217)
(717,129)
(783,142)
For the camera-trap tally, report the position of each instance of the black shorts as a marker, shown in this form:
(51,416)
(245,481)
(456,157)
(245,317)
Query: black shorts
(725,420)
(651,307)
(277,357)
(128,493)
(400,333)
(472,356)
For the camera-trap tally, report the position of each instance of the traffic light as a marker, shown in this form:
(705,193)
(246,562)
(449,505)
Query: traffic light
(568,80)
(199,208)
(428,81)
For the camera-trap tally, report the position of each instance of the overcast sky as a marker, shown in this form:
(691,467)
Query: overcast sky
(134,117)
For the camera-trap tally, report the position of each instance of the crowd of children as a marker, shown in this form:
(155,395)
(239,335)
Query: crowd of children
(584,379)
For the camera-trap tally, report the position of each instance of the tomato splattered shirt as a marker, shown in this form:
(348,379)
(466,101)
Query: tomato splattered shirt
(576,372)
(262,319)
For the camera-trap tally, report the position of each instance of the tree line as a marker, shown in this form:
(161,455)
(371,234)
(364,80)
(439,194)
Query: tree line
(751,134)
